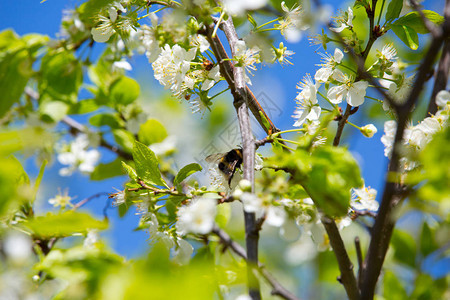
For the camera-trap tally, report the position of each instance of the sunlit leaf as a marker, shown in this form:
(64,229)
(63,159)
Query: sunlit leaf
(185,172)
(147,164)
(63,224)
(152,131)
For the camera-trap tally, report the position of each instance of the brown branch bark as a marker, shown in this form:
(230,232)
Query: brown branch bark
(277,288)
(248,145)
(393,192)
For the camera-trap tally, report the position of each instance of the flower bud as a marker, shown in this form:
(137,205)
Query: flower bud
(245,185)
(369,130)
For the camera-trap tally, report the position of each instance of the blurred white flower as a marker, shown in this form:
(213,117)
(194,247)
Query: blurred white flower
(364,199)
(399,93)
(76,155)
(442,98)
(91,239)
(293,24)
(166,147)
(62,200)
(301,251)
(276,216)
(252,203)
(238,7)
(183,252)
(308,108)
(122,64)
(387,139)
(18,247)
(197,217)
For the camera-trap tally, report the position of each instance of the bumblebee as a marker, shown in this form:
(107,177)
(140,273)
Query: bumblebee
(227,162)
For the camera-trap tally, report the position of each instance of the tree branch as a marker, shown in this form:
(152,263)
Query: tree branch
(248,144)
(277,288)
(392,195)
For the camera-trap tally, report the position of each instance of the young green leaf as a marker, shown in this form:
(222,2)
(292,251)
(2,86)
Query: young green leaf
(147,164)
(124,90)
(407,35)
(130,171)
(414,21)
(185,172)
(393,10)
(103,171)
(152,131)
(63,224)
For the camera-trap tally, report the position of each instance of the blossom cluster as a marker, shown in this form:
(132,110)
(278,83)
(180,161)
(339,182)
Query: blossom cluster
(415,138)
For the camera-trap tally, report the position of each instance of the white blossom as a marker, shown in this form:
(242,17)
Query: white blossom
(197,217)
(171,66)
(246,58)
(148,38)
(308,108)
(399,93)
(364,199)
(354,92)
(200,42)
(328,65)
(212,77)
(76,156)
(344,21)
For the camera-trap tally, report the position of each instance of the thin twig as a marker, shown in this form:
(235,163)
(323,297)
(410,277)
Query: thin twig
(86,200)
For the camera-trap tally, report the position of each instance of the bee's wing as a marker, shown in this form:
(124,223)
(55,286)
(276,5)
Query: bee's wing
(213,158)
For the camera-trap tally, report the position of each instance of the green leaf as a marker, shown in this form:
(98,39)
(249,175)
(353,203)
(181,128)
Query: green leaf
(15,70)
(124,138)
(185,172)
(407,35)
(334,172)
(103,171)
(106,119)
(427,242)
(414,21)
(84,107)
(61,76)
(393,288)
(394,9)
(147,164)
(425,287)
(54,110)
(151,132)
(17,172)
(124,90)
(404,248)
(130,171)
(265,121)
(63,224)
